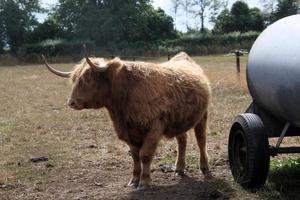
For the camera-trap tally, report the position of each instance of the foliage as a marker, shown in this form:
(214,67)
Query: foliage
(2,33)
(49,29)
(277,9)
(116,21)
(186,6)
(256,20)
(285,8)
(175,7)
(57,47)
(240,13)
(240,18)
(208,43)
(204,8)
(107,23)
(285,176)
(160,26)
(16,21)
(223,22)
(194,43)
(133,27)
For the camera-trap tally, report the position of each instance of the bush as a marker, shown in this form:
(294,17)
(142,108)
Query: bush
(8,60)
(53,48)
(207,43)
(193,42)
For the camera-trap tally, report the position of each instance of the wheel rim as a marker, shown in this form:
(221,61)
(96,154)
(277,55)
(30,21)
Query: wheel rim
(239,155)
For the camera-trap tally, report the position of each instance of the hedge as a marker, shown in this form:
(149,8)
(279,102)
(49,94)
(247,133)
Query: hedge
(207,43)
(195,43)
(54,48)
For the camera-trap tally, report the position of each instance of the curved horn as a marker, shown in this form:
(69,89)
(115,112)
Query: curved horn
(94,66)
(54,71)
(87,58)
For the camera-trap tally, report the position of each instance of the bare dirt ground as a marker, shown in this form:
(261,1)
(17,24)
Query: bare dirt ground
(87,161)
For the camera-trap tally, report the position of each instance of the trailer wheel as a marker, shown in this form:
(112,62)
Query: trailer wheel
(248,149)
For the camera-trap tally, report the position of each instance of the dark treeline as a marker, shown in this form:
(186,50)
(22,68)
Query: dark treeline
(132,27)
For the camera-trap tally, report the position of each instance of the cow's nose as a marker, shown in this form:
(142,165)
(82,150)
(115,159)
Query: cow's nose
(71,103)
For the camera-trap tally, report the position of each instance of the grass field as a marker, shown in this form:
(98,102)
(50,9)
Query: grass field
(87,161)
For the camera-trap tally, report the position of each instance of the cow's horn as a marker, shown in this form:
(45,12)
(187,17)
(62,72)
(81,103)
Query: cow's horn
(93,65)
(54,71)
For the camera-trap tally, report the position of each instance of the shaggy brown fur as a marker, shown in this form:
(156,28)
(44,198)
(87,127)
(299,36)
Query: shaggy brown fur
(146,102)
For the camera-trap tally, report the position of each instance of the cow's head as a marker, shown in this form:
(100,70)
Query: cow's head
(90,83)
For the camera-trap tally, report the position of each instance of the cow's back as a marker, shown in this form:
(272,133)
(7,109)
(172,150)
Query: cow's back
(177,92)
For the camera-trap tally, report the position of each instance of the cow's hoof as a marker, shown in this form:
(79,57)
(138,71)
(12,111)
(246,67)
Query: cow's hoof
(144,186)
(179,173)
(134,182)
(207,174)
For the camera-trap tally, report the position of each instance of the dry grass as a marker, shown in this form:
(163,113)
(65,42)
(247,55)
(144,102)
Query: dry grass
(83,149)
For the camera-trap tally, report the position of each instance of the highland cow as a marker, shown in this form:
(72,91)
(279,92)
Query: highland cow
(146,102)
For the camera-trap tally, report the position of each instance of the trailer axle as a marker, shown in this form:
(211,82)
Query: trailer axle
(274,151)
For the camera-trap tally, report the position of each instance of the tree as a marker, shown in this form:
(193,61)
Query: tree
(2,34)
(204,8)
(223,22)
(110,22)
(285,8)
(49,29)
(186,5)
(175,8)
(269,5)
(269,8)
(17,20)
(257,21)
(160,26)
(277,9)
(240,18)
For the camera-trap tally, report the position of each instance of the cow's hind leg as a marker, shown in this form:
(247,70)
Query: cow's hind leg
(134,182)
(147,151)
(200,133)
(180,162)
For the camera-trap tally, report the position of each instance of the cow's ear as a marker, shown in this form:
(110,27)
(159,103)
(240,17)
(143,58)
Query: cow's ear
(99,66)
(96,64)
(127,66)
(115,63)
(102,67)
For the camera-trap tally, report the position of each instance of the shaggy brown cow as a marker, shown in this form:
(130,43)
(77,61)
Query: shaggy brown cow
(146,101)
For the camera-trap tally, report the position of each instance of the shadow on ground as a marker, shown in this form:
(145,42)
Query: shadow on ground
(187,188)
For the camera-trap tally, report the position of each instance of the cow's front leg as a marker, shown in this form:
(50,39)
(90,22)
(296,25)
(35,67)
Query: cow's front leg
(147,151)
(134,182)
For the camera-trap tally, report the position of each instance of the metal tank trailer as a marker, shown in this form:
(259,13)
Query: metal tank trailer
(273,78)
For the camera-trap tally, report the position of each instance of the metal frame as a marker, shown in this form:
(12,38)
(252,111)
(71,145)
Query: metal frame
(286,126)
(275,126)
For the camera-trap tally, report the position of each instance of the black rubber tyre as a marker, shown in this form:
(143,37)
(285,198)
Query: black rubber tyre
(248,150)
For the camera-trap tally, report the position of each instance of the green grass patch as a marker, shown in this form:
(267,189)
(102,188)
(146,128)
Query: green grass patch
(6,126)
(285,171)
(285,177)
(192,161)
(5,129)
(168,159)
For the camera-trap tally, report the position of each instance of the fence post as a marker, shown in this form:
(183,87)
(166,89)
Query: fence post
(238,63)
